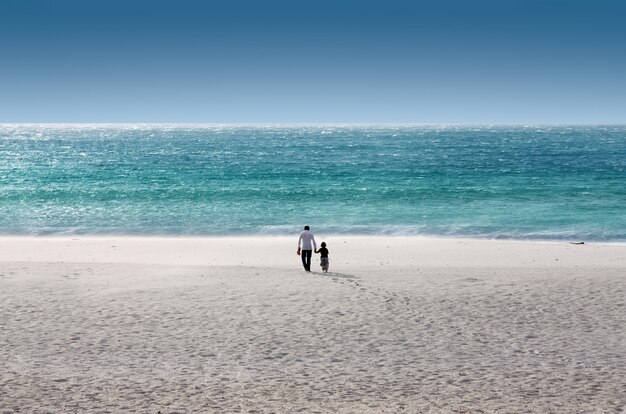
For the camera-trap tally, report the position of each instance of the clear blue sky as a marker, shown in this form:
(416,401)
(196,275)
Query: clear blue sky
(445,61)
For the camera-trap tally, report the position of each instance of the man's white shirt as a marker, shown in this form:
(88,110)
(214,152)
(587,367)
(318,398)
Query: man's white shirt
(305,240)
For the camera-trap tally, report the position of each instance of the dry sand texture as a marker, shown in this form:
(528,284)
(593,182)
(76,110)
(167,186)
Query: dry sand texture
(95,325)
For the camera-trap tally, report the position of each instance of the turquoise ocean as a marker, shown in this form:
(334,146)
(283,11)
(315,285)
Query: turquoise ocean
(524,182)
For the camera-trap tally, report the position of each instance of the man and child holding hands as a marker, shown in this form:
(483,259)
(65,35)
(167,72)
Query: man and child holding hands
(308,244)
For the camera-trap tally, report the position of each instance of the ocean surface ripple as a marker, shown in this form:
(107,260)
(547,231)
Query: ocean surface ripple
(559,182)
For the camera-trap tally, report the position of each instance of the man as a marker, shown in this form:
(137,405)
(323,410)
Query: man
(305,240)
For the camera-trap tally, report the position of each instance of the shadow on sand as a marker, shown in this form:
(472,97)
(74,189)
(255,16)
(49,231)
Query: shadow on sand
(335,274)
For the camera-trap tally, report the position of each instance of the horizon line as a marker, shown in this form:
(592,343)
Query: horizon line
(301,124)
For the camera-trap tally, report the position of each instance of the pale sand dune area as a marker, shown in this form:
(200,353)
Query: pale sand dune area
(398,325)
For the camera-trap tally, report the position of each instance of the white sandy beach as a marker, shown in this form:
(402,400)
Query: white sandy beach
(218,325)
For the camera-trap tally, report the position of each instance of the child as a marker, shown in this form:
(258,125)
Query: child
(323,251)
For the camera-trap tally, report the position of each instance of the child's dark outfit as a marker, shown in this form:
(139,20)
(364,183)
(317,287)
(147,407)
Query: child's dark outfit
(323,251)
